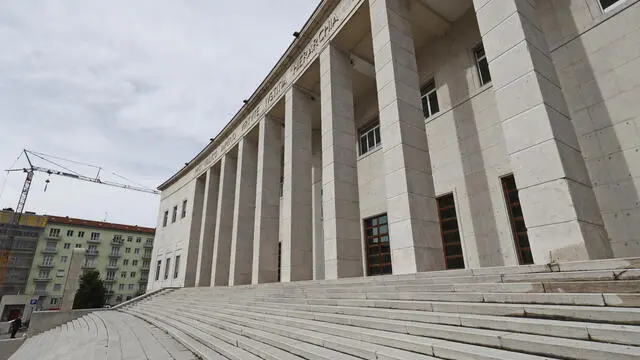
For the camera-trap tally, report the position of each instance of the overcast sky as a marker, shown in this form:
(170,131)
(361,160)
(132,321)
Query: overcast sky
(136,86)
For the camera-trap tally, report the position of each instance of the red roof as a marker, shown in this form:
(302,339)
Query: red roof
(99,224)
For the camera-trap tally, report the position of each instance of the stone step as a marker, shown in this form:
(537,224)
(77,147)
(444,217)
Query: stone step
(338,333)
(271,343)
(211,341)
(474,336)
(610,333)
(589,299)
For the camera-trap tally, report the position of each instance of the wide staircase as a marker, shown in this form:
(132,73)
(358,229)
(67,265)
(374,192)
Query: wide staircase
(574,310)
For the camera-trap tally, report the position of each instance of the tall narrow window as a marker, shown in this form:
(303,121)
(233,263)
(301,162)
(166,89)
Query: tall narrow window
(184,209)
(174,214)
(518,226)
(451,244)
(370,137)
(482,64)
(176,267)
(376,230)
(610,4)
(429,98)
(167,266)
(158,270)
(279,258)
(165,218)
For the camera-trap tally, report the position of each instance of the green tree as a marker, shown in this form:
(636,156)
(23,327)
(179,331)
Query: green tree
(91,293)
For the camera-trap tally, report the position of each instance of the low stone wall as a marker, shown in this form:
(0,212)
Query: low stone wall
(45,320)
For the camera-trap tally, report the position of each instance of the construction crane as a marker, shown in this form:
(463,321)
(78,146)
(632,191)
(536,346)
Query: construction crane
(5,253)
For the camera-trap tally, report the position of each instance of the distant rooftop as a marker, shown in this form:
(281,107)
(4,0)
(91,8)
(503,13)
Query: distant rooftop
(99,224)
(30,217)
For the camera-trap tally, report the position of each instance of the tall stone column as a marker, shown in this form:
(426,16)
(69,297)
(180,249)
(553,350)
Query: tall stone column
(243,214)
(224,222)
(267,214)
(558,202)
(207,231)
(297,252)
(340,201)
(316,200)
(415,240)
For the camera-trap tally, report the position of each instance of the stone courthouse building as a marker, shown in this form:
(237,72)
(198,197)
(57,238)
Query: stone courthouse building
(400,136)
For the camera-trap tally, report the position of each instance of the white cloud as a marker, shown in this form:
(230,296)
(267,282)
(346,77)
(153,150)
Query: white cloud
(135,86)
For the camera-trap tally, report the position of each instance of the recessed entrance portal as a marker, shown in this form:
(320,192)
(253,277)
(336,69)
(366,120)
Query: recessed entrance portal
(376,231)
(516,218)
(451,243)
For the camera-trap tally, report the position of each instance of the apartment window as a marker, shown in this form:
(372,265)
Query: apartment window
(108,287)
(78,246)
(123,274)
(121,287)
(482,64)
(69,232)
(60,273)
(57,287)
(80,234)
(95,236)
(115,250)
(132,274)
(136,251)
(90,263)
(47,260)
(53,232)
(132,286)
(609,4)
(376,231)
(63,259)
(41,286)
(92,250)
(127,250)
(184,209)
(370,137)
(129,238)
(138,239)
(429,98)
(516,219)
(164,219)
(134,263)
(451,244)
(158,270)
(110,275)
(113,262)
(176,267)
(67,245)
(146,263)
(125,262)
(166,268)
(54,301)
(174,214)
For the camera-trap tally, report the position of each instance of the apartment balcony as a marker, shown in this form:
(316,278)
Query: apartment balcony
(117,242)
(53,237)
(39,278)
(115,255)
(40,292)
(148,244)
(89,266)
(112,267)
(47,265)
(109,279)
(145,268)
(49,251)
(146,256)
(91,253)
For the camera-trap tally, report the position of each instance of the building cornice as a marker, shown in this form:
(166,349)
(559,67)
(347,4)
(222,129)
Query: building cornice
(299,44)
